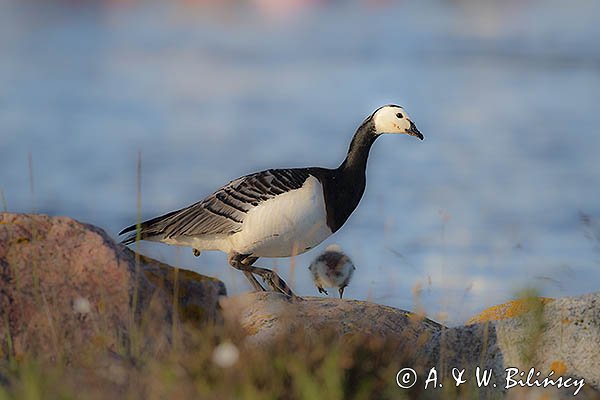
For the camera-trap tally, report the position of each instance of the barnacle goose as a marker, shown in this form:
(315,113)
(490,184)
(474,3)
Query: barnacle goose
(277,212)
(332,269)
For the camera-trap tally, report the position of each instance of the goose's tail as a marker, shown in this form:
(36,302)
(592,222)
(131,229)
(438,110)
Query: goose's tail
(148,229)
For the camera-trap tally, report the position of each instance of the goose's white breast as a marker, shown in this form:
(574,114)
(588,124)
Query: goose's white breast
(286,225)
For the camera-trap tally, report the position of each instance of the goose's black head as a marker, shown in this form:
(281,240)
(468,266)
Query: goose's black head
(393,119)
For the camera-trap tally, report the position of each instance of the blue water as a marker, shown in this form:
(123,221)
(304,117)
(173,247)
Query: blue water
(506,94)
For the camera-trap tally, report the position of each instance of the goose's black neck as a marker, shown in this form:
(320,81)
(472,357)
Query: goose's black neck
(358,152)
(343,187)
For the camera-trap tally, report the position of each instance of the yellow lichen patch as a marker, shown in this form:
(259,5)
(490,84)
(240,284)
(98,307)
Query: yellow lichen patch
(509,309)
(558,367)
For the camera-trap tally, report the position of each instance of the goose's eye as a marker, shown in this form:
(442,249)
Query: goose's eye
(399,115)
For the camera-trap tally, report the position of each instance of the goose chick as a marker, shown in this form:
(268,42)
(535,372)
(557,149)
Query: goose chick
(332,269)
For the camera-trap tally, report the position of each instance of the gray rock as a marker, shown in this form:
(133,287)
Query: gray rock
(563,335)
(267,316)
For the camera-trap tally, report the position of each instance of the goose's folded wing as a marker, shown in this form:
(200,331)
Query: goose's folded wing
(223,212)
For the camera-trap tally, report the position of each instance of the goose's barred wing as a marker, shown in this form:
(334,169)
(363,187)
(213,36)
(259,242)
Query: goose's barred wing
(223,212)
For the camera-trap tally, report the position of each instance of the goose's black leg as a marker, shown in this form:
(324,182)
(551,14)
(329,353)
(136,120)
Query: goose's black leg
(270,277)
(273,280)
(239,261)
(248,261)
(244,263)
(321,290)
(341,290)
(257,286)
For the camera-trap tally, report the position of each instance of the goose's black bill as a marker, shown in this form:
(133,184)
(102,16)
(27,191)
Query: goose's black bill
(413,131)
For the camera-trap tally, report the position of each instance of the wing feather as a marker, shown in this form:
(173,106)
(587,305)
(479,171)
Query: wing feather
(223,212)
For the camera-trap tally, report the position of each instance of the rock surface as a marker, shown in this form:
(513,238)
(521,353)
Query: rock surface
(564,335)
(510,309)
(63,282)
(561,335)
(266,315)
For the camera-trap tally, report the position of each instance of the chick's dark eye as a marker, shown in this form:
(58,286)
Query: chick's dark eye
(399,115)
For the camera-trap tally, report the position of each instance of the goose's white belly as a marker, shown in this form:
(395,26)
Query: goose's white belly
(286,225)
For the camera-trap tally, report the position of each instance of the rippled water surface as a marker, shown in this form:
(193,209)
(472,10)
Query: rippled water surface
(491,202)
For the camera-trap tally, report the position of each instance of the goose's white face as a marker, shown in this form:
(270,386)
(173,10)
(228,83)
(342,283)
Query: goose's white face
(393,119)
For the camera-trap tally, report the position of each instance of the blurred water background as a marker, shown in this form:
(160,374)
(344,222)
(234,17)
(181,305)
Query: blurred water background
(505,92)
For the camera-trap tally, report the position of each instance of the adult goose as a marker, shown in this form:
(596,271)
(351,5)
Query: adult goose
(277,212)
